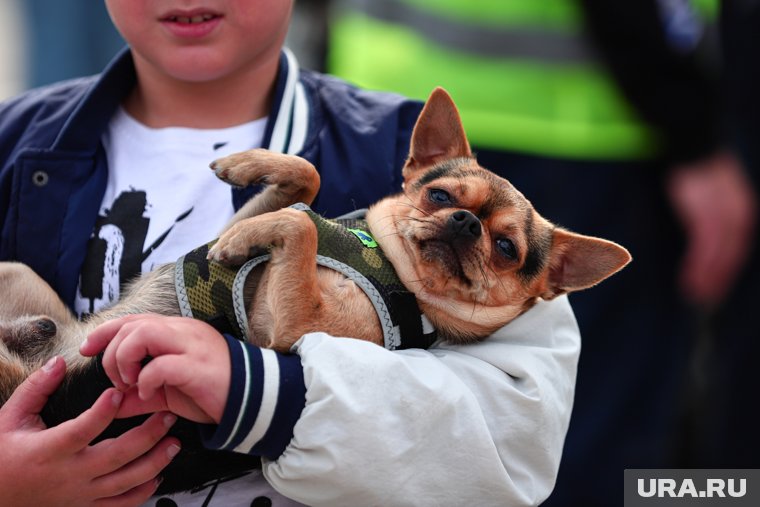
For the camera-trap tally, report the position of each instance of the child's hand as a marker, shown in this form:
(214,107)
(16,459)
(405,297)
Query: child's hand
(113,472)
(189,374)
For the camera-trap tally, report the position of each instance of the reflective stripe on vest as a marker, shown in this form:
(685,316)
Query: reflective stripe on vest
(520,71)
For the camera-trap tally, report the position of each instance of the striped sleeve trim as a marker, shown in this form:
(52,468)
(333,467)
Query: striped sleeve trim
(266,397)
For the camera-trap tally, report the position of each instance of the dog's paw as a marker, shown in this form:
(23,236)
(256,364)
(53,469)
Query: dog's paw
(234,248)
(228,175)
(223,255)
(242,169)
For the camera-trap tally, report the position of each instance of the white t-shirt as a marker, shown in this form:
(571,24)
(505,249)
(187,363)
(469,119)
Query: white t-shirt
(161,201)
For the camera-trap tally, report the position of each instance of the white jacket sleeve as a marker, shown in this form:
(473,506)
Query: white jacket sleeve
(481,424)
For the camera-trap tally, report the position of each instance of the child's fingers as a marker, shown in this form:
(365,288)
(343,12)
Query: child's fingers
(150,464)
(134,458)
(108,361)
(116,453)
(138,471)
(200,398)
(75,434)
(106,338)
(30,397)
(166,370)
(130,342)
(135,496)
(99,339)
(133,405)
(146,338)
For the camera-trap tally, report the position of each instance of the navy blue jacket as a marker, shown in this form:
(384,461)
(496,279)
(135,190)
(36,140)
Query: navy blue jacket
(54,168)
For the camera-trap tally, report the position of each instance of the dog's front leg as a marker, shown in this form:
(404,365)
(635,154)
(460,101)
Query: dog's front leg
(293,295)
(289,179)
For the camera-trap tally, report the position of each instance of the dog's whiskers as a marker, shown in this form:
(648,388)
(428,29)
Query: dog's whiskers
(415,207)
(498,280)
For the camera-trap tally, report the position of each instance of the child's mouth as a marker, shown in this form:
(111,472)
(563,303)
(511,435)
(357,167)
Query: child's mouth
(190,20)
(191,25)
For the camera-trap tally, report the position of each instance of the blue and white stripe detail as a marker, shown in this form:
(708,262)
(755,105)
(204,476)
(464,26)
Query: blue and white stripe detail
(270,393)
(292,121)
(267,395)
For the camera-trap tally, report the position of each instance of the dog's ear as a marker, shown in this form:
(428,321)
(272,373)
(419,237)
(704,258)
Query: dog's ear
(438,135)
(578,262)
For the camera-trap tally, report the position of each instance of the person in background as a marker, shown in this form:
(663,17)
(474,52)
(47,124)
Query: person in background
(721,420)
(107,177)
(608,116)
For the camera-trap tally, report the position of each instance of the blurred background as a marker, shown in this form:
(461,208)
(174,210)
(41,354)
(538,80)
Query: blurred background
(43,41)
(12,71)
(635,120)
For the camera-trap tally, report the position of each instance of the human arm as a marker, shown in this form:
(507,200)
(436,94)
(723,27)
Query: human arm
(202,376)
(446,426)
(450,424)
(669,74)
(114,472)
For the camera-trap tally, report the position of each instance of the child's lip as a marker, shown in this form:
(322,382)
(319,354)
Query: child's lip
(191,24)
(189,16)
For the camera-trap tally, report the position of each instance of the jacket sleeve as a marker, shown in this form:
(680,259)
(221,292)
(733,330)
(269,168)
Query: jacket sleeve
(434,427)
(264,402)
(671,88)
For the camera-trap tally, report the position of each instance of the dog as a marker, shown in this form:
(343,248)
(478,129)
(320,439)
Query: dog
(467,252)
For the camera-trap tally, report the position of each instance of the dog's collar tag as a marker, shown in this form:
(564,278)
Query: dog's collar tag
(365,237)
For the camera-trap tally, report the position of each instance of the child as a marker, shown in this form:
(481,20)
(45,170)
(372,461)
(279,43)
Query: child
(106,177)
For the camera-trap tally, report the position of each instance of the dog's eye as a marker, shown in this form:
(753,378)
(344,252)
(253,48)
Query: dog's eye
(507,248)
(439,196)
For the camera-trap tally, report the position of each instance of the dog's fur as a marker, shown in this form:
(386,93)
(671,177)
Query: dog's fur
(468,245)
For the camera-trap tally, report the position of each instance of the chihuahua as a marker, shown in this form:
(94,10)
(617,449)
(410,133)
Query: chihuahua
(464,242)
(455,256)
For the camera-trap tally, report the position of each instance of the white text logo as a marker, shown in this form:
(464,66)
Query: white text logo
(714,488)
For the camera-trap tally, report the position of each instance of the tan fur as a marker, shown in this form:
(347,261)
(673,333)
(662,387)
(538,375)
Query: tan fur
(294,297)
(35,299)
(289,179)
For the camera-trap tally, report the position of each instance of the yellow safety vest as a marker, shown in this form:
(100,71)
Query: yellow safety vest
(521,71)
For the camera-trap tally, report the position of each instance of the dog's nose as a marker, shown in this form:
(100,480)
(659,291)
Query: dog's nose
(463,224)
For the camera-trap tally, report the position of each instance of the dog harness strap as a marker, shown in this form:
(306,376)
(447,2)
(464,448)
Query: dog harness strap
(205,291)
(212,292)
(346,245)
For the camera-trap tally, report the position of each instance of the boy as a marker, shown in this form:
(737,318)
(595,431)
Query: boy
(343,422)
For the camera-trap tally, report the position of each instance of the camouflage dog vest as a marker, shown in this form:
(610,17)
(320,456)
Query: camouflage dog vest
(212,292)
